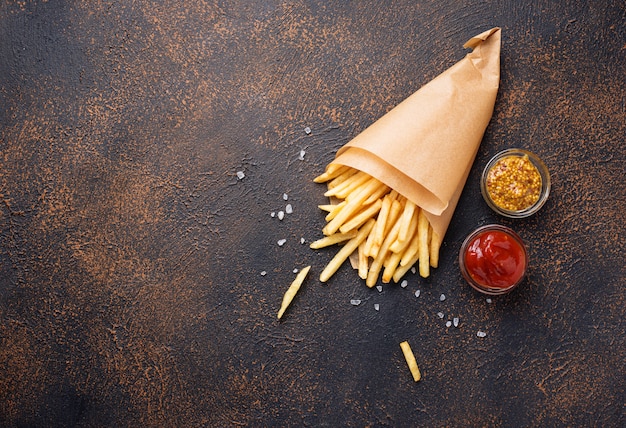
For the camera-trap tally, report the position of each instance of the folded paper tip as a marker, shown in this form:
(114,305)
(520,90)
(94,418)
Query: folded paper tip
(476,40)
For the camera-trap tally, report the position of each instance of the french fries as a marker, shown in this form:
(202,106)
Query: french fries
(410,360)
(388,232)
(292,290)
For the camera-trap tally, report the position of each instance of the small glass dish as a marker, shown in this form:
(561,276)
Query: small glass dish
(515,183)
(493,259)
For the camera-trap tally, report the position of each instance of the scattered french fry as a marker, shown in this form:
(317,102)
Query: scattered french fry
(292,290)
(410,360)
(329,240)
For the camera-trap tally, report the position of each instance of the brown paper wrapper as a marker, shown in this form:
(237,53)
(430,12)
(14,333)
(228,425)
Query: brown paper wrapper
(425,146)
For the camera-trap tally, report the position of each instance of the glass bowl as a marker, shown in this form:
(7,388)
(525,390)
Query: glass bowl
(515,183)
(493,259)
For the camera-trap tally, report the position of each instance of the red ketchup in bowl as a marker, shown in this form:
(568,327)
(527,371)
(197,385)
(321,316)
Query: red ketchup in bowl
(493,259)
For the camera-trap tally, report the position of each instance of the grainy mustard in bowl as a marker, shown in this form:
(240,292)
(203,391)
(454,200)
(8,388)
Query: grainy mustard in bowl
(515,183)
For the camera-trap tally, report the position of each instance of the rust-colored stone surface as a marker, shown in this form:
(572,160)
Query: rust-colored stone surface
(131,254)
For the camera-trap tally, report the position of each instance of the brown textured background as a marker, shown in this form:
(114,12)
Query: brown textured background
(131,291)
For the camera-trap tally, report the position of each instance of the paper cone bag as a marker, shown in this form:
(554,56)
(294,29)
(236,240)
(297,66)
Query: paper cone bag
(425,146)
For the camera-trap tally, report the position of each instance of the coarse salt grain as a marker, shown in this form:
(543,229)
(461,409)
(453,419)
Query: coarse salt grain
(263,273)
(448,323)
(404,283)
(281,242)
(289,209)
(302,153)
(417,293)
(376,306)
(488,300)
(442,297)
(295,270)
(302,241)
(413,270)
(273,214)
(307,130)
(285,196)
(455,321)
(379,288)
(440,315)
(481,334)
(355,302)
(281,215)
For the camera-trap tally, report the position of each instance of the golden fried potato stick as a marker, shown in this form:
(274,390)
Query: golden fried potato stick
(326,207)
(377,263)
(407,215)
(348,185)
(345,251)
(292,290)
(333,239)
(399,246)
(333,171)
(336,208)
(422,227)
(403,269)
(360,218)
(435,245)
(410,360)
(363,265)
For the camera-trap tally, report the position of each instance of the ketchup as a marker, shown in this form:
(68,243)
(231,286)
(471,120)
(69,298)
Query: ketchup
(495,259)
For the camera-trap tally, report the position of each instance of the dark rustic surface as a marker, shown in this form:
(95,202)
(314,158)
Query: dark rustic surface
(131,291)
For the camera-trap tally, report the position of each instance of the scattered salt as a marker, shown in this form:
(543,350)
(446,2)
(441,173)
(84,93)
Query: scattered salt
(376,306)
(413,270)
(302,153)
(442,297)
(281,215)
(281,242)
(355,302)
(307,130)
(489,300)
(273,214)
(404,283)
(448,323)
(440,314)
(379,288)
(295,270)
(289,209)
(417,293)
(455,321)
(285,196)
(302,241)
(240,175)
(263,273)
(481,334)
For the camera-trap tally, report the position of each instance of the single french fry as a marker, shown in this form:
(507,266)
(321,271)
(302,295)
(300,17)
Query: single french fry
(410,360)
(341,178)
(333,170)
(412,250)
(360,218)
(391,265)
(345,251)
(394,213)
(404,268)
(333,239)
(434,248)
(379,229)
(351,206)
(407,215)
(292,290)
(363,265)
(423,226)
(344,189)
(327,207)
(399,246)
(336,208)
(377,263)
(377,194)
